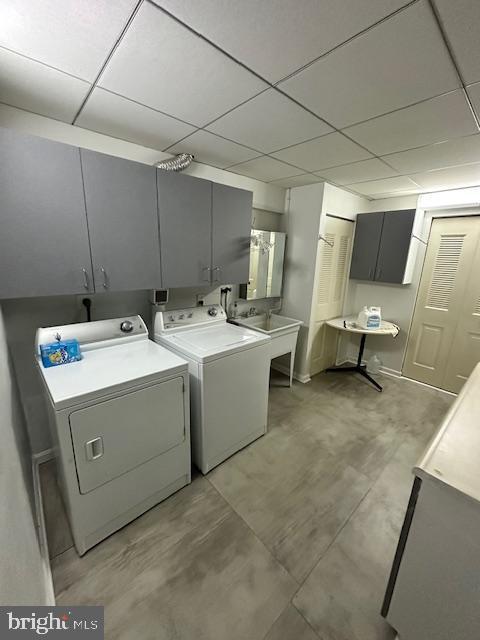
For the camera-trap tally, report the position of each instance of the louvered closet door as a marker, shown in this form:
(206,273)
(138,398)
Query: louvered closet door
(465,350)
(333,267)
(440,327)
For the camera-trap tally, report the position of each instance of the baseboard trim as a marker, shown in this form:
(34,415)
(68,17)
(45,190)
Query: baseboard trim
(285,370)
(430,386)
(41,528)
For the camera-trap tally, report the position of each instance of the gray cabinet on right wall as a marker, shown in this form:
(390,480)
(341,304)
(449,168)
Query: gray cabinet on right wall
(381,246)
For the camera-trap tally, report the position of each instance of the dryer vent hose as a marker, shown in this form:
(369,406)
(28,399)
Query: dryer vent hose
(178,163)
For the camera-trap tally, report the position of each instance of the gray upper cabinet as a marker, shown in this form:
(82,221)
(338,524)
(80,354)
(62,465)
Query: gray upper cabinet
(381,246)
(184,206)
(394,246)
(204,231)
(76,221)
(121,201)
(368,230)
(44,247)
(231,228)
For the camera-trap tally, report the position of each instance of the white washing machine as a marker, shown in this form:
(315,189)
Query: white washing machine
(120,424)
(229,373)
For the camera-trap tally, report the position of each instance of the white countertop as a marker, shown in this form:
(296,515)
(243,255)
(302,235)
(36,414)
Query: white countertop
(453,455)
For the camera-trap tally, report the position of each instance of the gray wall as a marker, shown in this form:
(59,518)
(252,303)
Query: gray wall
(22,572)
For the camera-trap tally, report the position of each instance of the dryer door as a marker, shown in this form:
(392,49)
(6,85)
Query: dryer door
(112,437)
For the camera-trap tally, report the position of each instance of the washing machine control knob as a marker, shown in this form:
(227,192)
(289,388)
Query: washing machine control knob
(126,326)
(212,311)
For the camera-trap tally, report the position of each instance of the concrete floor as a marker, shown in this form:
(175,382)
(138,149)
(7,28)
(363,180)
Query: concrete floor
(290,539)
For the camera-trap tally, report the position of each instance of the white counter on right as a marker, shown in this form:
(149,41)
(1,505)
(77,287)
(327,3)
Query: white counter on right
(434,587)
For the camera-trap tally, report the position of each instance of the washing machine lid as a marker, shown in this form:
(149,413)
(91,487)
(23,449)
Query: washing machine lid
(213,342)
(109,369)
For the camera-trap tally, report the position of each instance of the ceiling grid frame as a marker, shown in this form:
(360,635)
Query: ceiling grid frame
(270,85)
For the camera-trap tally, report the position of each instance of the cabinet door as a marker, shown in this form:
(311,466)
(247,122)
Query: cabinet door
(44,248)
(394,246)
(185,210)
(121,201)
(231,228)
(368,230)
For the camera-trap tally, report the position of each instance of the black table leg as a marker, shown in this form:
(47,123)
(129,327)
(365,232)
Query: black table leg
(359,367)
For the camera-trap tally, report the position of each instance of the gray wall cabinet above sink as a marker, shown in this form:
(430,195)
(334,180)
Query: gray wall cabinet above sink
(121,202)
(382,246)
(44,245)
(204,231)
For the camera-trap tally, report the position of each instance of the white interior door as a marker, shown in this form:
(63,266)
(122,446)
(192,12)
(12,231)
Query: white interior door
(444,341)
(465,350)
(332,279)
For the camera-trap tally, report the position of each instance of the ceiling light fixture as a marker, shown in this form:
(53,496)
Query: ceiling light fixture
(177,163)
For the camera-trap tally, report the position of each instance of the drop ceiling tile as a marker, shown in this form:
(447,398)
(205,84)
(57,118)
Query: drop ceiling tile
(268,122)
(462,176)
(297,181)
(372,169)
(266,169)
(474,94)
(328,151)
(437,156)
(70,35)
(461,19)
(211,149)
(388,185)
(35,87)
(434,120)
(277,37)
(400,61)
(165,66)
(121,118)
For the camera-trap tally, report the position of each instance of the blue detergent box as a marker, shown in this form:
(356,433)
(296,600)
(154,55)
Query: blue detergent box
(62,352)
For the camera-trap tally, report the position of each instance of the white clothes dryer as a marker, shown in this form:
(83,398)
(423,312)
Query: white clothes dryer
(120,424)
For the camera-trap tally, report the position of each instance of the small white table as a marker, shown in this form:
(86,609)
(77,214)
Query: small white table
(348,323)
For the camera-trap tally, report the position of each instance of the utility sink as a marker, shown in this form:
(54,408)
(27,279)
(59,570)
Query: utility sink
(283,332)
(273,325)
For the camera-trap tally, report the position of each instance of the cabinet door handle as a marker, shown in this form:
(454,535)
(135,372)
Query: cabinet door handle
(379,273)
(209,276)
(94,448)
(85,279)
(105,278)
(218,271)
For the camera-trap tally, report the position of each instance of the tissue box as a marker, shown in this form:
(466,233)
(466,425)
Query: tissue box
(62,352)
